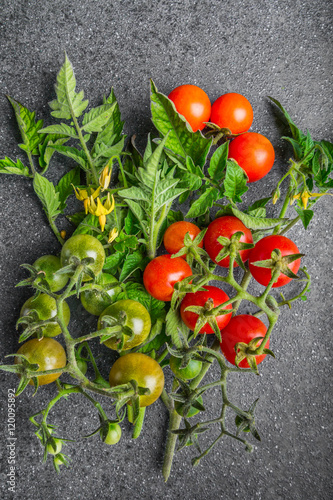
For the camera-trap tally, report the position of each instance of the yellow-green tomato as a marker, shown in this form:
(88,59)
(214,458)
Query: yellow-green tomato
(113,435)
(142,368)
(47,353)
(46,308)
(190,371)
(54,451)
(82,246)
(136,317)
(94,301)
(49,264)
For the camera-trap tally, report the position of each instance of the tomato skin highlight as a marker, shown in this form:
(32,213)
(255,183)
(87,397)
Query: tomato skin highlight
(232,111)
(161,274)
(226,226)
(254,153)
(199,299)
(174,236)
(47,353)
(263,250)
(193,103)
(142,368)
(137,318)
(46,308)
(242,328)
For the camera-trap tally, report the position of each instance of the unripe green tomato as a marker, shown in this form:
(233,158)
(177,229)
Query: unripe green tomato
(93,301)
(51,450)
(179,407)
(82,246)
(46,308)
(49,264)
(113,435)
(82,365)
(189,372)
(137,318)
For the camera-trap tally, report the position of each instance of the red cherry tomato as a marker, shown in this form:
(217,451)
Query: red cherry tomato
(263,251)
(232,111)
(199,299)
(174,236)
(226,226)
(162,273)
(242,328)
(193,103)
(254,153)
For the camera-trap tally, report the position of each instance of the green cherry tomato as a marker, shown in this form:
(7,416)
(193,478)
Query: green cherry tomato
(136,317)
(113,435)
(57,449)
(49,264)
(94,301)
(142,368)
(179,407)
(46,308)
(82,365)
(47,353)
(189,372)
(82,246)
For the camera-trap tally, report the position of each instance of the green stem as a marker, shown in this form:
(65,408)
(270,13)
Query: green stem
(56,231)
(139,423)
(174,424)
(84,145)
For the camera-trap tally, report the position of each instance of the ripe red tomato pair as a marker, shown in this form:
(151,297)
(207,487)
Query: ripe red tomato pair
(252,151)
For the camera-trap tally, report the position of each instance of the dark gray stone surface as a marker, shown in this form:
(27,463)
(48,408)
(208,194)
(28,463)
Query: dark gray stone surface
(282,49)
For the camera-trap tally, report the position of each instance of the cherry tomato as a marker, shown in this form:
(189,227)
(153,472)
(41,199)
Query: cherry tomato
(199,299)
(49,264)
(179,407)
(113,435)
(137,318)
(46,308)
(174,236)
(189,372)
(94,301)
(193,103)
(232,111)
(162,273)
(57,449)
(226,226)
(47,353)
(82,246)
(242,328)
(142,368)
(254,153)
(263,250)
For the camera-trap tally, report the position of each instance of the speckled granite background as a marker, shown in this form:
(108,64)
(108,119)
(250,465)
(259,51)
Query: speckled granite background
(258,48)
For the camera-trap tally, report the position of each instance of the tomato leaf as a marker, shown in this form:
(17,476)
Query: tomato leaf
(8,166)
(28,126)
(202,204)
(235,182)
(181,140)
(75,154)
(47,194)
(256,222)
(305,216)
(64,187)
(218,162)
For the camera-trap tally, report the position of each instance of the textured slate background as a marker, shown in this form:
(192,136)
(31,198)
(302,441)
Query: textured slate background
(282,49)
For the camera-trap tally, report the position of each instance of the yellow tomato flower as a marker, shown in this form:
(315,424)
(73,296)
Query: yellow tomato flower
(105,177)
(85,195)
(113,235)
(100,210)
(305,195)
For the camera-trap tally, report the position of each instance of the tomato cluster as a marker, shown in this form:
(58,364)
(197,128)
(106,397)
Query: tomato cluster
(232,111)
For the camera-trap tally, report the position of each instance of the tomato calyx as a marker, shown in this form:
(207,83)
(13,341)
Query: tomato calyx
(279,264)
(232,247)
(249,352)
(208,314)
(245,421)
(116,329)
(191,247)
(25,370)
(219,134)
(187,399)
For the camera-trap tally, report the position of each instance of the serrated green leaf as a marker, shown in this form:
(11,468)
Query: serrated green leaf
(64,187)
(256,222)
(218,162)
(73,153)
(131,263)
(174,323)
(202,204)
(235,182)
(113,261)
(68,102)
(47,194)
(87,226)
(8,166)
(46,151)
(97,118)
(61,129)
(297,134)
(181,140)
(28,126)
(103,151)
(305,216)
